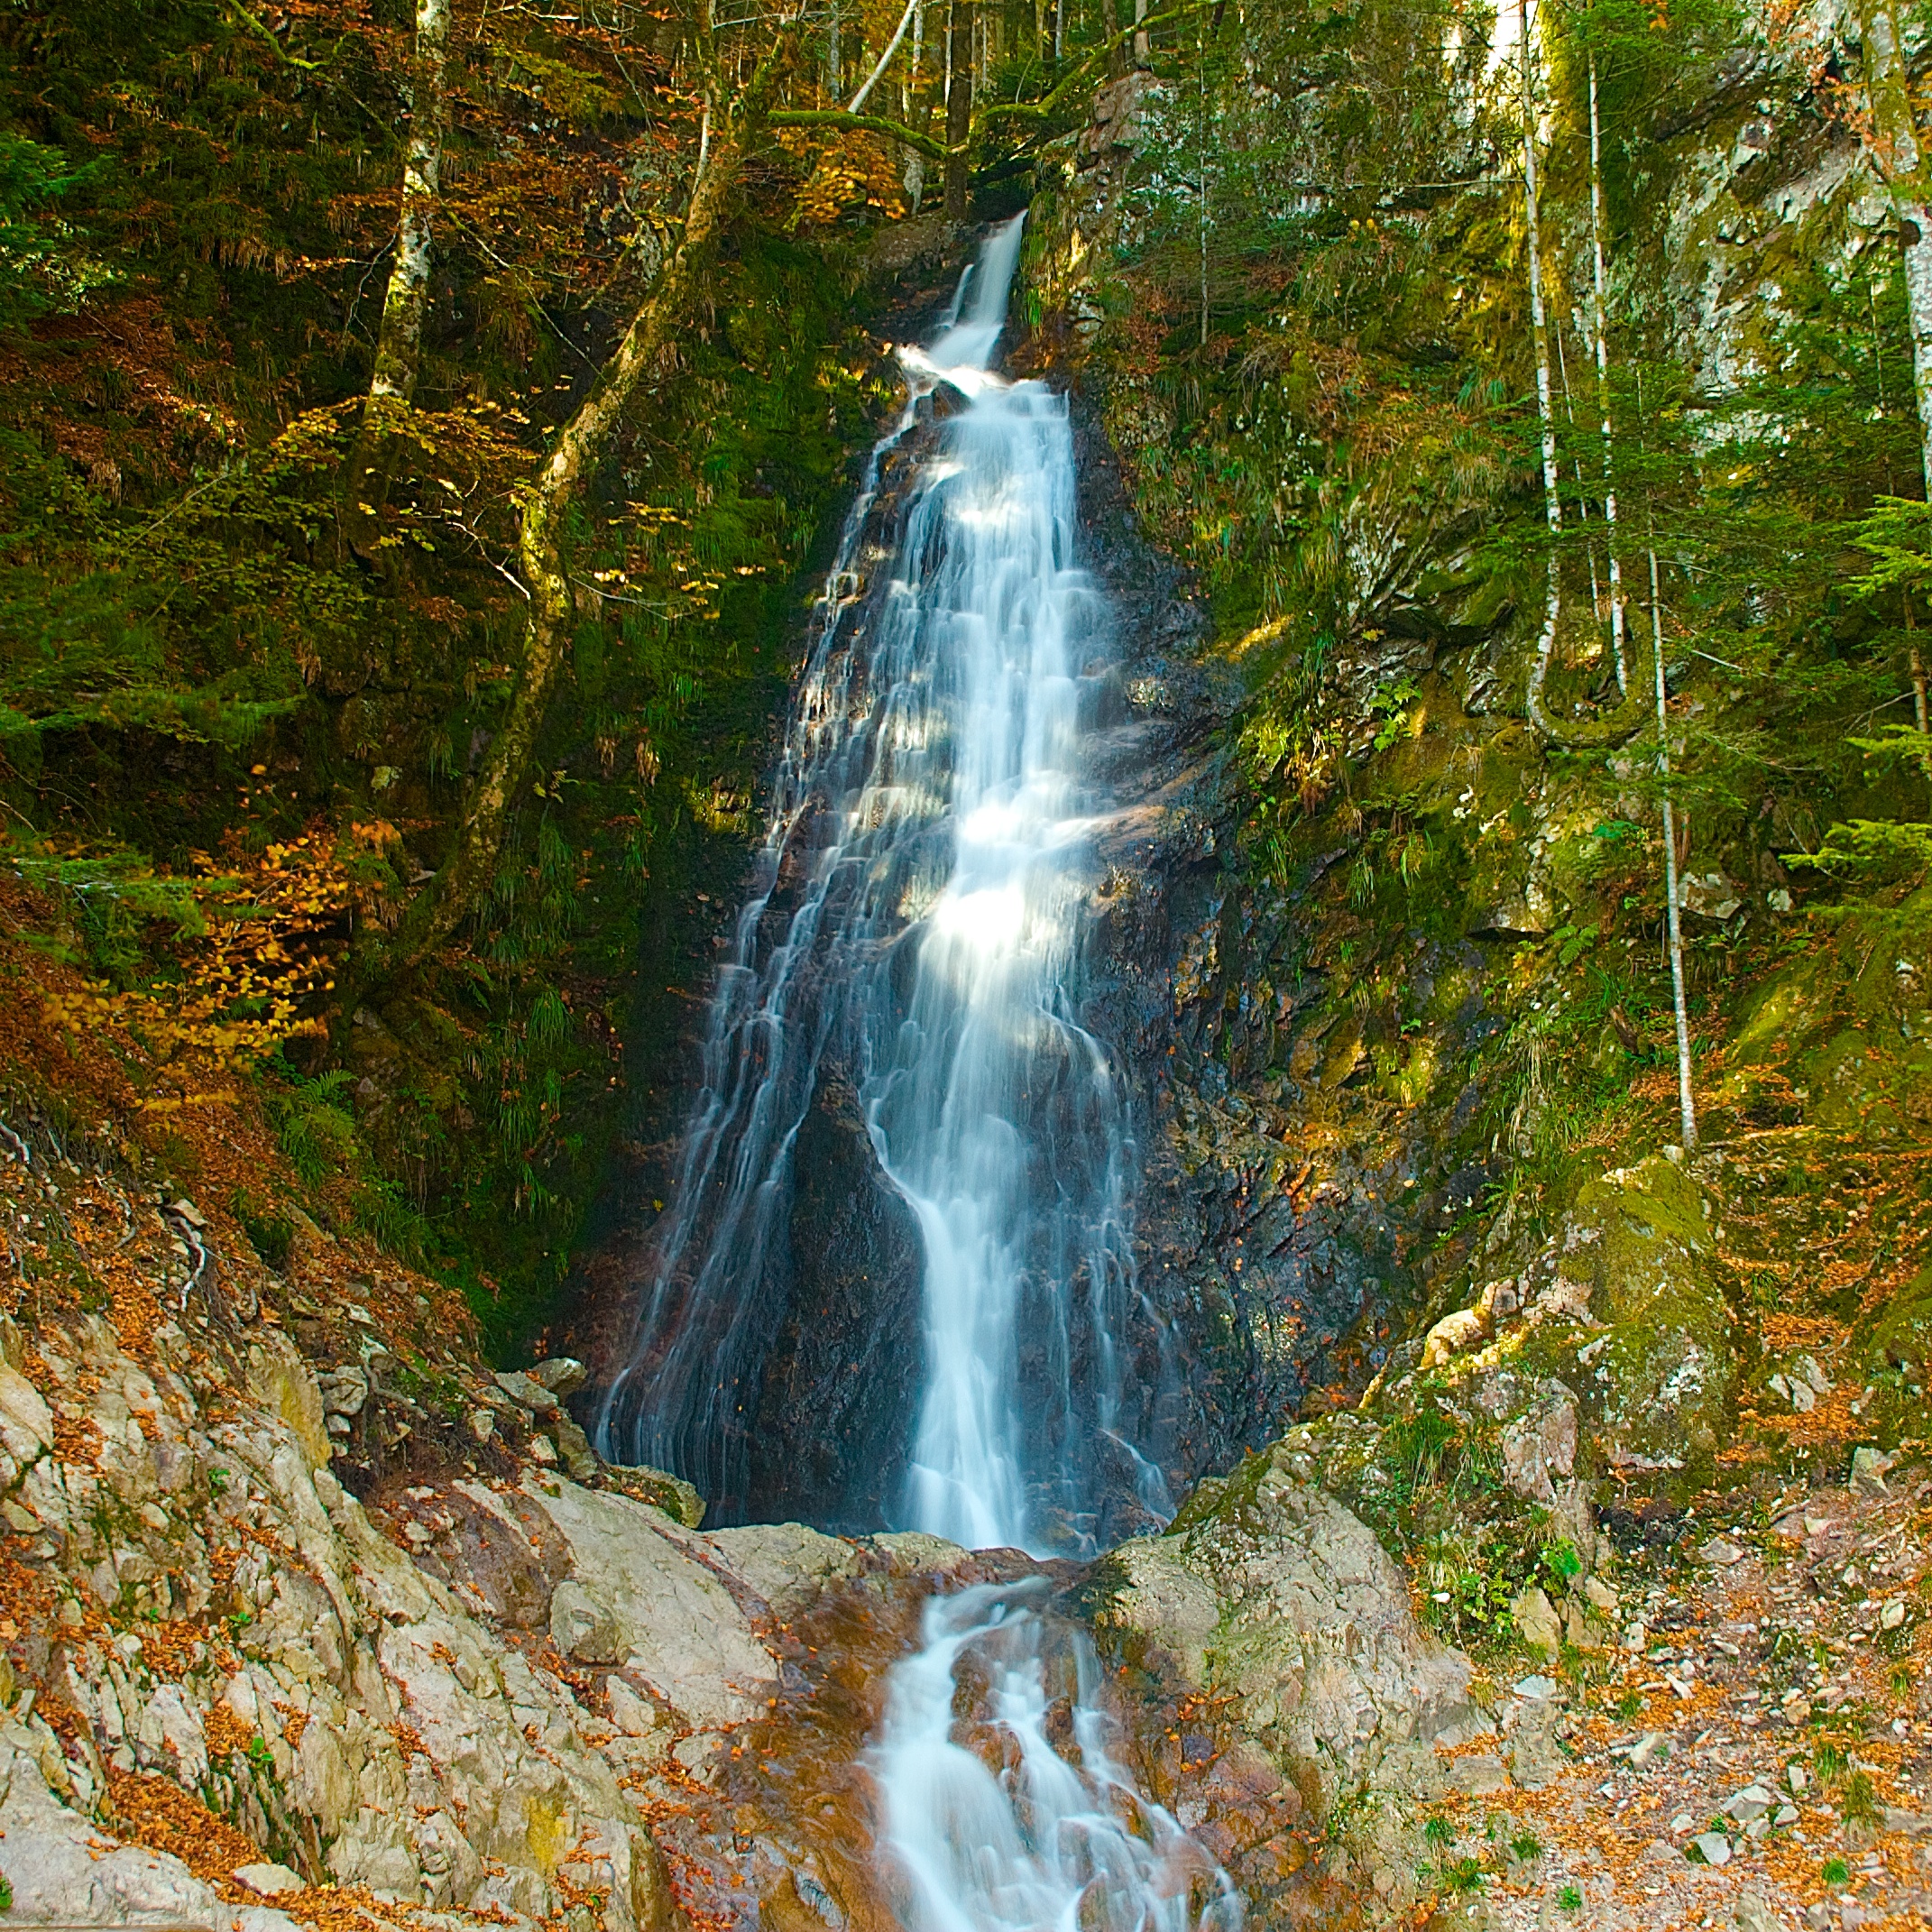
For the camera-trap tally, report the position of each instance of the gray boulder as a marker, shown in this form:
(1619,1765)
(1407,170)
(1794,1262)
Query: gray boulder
(679,1628)
(582,1626)
(1273,1591)
(65,1870)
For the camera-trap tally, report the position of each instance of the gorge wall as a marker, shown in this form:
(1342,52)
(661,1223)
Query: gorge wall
(1547,1488)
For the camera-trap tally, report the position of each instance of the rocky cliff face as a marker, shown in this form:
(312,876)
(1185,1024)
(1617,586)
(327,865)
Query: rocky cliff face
(1384,957)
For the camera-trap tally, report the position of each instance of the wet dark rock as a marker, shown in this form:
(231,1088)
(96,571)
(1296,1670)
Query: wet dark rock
(1256,1280)
(1262,1280)
(836,1402)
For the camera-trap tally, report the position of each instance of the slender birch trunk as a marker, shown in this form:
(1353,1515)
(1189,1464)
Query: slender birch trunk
(399,346)
(400,338)
(1576,470)
(959,107)
(1546,414)
(567,473)
(1686,1106)
(1602,382)
(885,60)
(1895,149)
(915,110)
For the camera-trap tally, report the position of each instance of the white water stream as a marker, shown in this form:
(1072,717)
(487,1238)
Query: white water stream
(917,914)
(990,1061)
(1048,1844)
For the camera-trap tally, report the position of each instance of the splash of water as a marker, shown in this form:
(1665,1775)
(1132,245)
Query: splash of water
(916,913)
(1049,1842)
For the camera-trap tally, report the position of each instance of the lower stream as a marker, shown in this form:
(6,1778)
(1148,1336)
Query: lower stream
(1029,1830)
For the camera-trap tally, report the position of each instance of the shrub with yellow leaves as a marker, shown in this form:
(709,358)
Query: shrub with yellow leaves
(245,966)
(853,169)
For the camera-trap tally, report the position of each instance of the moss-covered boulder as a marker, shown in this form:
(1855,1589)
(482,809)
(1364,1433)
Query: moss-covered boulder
(1626,1309)
(1897,1335)
(1892,1345)
(1268,1589)
(1841,1035)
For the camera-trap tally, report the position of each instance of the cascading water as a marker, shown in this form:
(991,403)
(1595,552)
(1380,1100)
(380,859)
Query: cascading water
(916,914)
(916,919)
(1044,1844)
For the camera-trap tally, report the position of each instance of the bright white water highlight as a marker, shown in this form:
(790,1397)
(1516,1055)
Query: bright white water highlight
(1050,1845)
(916,918)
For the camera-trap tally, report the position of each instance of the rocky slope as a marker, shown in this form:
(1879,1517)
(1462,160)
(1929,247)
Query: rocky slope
(308,1617)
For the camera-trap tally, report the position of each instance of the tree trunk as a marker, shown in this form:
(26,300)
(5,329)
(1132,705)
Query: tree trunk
(1602,382)
(1201,58)
(1576,470)
(567,473)
(959,109)
(400,338)
(885,60)
(1143,44)
(1546,415)
(1895,149)
(399,348)
(1673,914)
(1115,49)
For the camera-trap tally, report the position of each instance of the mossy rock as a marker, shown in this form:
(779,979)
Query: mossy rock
(1267,1589)
(1894,1346)
(1652,1366)
(1845,1028)
(1900,1335)
(672,1493)
(1855,1084)
(1786,1013)
(1501,891)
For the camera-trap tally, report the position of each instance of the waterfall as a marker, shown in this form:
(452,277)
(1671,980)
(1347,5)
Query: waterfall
(1046,1842)
(916,912)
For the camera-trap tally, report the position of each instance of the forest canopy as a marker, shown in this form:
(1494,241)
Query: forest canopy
(425,421)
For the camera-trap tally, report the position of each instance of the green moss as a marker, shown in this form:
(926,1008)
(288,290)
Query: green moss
(1892,1349)
(1653,1368)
